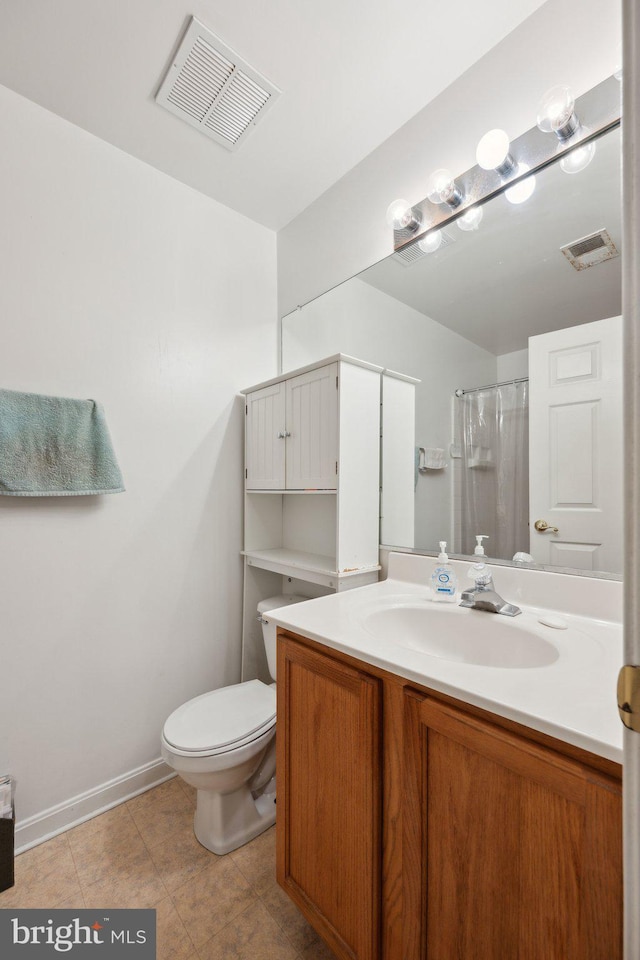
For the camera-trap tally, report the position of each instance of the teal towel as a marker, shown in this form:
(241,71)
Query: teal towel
(54,447)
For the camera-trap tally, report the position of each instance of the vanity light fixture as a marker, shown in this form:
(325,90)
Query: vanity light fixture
(442,188)
(402,216)
(493,153)
(471,219)
(520,192)
(461,198)
(556,113)
(431,242)
(578,159)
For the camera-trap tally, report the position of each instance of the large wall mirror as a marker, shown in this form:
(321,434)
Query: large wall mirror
(517,347)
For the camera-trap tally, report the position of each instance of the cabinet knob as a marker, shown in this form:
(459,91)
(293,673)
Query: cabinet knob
(283,435)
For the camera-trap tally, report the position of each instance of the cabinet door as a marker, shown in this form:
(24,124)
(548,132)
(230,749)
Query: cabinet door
(312,425)
(265,438)
(510,849)
(329,788)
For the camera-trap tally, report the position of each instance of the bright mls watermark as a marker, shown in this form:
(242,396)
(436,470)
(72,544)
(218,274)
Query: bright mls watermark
(78,934)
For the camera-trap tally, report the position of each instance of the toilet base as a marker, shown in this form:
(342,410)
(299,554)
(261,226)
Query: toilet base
(225,821)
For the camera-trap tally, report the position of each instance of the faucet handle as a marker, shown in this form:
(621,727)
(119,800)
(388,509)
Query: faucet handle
(479,572)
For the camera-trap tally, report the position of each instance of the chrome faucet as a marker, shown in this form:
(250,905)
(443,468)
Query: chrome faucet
(483,595)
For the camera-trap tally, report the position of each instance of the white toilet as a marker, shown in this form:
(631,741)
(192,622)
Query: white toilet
(223,744)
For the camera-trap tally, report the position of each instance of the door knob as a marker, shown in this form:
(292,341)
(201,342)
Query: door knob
(542,527)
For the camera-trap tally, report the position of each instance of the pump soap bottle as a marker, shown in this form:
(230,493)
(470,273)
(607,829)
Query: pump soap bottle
(479,549)
(443,579)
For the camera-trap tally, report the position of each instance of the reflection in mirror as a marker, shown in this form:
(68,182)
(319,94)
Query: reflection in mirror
(503,303)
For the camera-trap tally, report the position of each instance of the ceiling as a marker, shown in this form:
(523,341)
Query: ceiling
(351,73)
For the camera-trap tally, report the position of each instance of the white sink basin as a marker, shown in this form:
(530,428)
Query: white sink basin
(461,634)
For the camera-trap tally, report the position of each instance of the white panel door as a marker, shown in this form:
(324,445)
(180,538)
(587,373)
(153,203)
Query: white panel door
(265,438)
(575,446)
(312,425)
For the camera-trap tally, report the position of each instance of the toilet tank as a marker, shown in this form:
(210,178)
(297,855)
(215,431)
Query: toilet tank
(269,628)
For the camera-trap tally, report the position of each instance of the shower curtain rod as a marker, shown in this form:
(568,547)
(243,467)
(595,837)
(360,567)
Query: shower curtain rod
(489,386)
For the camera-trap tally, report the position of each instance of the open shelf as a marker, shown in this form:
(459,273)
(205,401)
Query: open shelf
(311,566)
(291,493)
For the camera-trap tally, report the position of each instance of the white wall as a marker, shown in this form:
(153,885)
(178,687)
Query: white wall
(123,285)
(362,321)
(513,366)
(344,230)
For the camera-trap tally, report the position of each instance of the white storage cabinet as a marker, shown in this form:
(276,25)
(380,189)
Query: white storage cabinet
(313,473)
(292,432)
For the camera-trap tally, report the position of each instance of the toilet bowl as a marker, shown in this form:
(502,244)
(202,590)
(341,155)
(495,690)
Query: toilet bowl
(223,744)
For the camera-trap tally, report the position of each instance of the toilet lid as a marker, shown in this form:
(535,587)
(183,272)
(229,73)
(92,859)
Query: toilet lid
(222,717)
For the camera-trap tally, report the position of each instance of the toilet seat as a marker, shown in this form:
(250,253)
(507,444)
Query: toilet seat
(222,720)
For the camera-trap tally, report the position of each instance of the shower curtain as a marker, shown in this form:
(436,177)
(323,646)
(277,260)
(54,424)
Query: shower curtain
(494,498)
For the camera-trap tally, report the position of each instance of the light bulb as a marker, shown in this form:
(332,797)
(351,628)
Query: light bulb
(579,158)
(442,188)
(471,219)
(402,216)
(492,153)
(431,242)
(521,191)
(555,113)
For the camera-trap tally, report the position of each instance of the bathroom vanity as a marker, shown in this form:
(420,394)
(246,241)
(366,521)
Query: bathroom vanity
(452,808)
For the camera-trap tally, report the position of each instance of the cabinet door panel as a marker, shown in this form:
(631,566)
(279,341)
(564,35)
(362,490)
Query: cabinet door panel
(510,845)
(312,422)
(329,786)
(265,448)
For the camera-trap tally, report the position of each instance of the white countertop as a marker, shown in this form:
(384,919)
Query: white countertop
(573,698)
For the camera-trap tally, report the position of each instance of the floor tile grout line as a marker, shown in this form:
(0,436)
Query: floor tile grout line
(175,905)
(75,867)
(228,924)
(113,877)
(150,849)
(135,823)
(194,949)
(283,929)
(185,926)
(235,920)
(139,832)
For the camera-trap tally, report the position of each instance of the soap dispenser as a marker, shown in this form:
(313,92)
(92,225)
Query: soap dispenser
(443,578)
(479,550)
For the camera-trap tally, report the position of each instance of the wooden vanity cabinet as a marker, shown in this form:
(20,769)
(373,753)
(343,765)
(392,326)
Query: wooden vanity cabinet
(329,812)
(511,850)
(413,827)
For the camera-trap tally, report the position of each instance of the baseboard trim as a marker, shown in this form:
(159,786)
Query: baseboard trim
(63,816)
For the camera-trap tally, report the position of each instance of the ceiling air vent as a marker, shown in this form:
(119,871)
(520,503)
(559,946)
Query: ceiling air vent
(588,251)
(211,88)
(408,255)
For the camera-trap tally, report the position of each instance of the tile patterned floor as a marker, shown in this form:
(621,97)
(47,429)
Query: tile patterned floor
(144,854)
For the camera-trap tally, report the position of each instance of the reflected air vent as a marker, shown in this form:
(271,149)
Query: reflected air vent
(408,255)
(588,251)
(211,88)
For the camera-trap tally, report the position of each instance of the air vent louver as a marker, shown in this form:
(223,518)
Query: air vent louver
(408,255)
(211,88)
(590,250)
